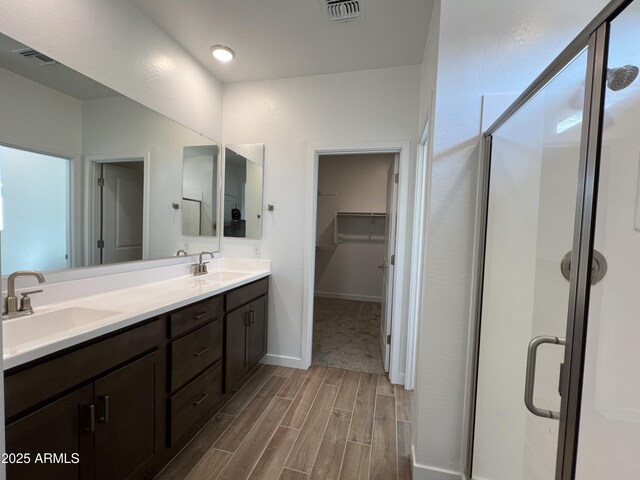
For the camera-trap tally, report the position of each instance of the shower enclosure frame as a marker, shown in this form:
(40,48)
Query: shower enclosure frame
(595,39)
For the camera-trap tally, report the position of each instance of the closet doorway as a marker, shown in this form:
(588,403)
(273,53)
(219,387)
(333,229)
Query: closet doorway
(356,220)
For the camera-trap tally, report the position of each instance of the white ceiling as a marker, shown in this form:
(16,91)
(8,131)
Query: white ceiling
(287,38)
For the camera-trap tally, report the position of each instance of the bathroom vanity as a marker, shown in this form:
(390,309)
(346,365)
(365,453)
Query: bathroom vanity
(122,404)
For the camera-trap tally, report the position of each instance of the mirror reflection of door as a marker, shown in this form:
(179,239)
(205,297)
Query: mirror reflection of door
(121,210)
(35,211)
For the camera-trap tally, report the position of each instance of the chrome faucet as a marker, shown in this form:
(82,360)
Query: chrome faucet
(11,302)
(201,267)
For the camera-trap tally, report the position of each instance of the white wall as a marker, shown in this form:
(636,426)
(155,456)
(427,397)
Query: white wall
(288,116)
(117,45)
(359,183)
(483,48)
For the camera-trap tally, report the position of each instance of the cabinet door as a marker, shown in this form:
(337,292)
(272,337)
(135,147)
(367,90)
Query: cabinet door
(128,419)
(236,361)
(62,428)
(257,330)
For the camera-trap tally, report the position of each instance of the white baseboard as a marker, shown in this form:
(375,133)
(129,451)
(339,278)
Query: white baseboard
(348,296)
(427,472)
(284,361)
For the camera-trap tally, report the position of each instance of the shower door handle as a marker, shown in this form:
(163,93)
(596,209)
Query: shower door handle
(530,382)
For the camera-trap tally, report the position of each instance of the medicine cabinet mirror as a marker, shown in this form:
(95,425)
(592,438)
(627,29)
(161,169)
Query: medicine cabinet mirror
(243,186)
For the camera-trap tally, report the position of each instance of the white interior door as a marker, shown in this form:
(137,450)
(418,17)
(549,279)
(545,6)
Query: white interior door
(122,202)
(388,263)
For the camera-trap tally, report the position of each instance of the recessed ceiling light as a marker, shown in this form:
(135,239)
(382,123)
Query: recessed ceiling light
(222,53)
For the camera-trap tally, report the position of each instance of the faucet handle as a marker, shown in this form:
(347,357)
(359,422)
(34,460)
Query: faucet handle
(26,294)
(25,301)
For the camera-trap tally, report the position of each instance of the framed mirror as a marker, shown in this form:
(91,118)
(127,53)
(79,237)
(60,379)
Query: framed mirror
(200,190)
(243,187)
(89,176)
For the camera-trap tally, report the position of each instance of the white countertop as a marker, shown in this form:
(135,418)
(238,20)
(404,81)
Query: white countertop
(60,325)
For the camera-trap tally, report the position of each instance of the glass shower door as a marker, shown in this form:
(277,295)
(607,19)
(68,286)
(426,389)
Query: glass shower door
(609,438)
(531,213)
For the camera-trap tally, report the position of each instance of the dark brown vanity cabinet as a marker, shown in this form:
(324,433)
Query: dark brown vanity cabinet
(195,365)
(122,405)
(246,324)
(125,419)
(109,425)
(57,427)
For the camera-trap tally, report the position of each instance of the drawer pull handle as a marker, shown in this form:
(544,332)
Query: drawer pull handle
(201,352)
(199,315)
(104,417)
(88,413)
(197,403)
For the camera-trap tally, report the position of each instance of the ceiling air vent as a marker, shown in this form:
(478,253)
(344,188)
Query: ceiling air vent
(344,10)
(41,58)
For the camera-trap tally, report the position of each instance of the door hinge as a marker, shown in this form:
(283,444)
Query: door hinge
(388,339)
(393,260)
(100,243)
(101,182)
(397,177)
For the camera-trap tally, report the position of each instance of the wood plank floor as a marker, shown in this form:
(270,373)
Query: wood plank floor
(318,424)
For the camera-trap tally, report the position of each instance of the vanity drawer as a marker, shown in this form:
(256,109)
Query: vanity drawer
(246,293)
(195,315)
(194,352)
(191,404)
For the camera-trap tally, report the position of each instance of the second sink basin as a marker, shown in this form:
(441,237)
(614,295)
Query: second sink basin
(30,328)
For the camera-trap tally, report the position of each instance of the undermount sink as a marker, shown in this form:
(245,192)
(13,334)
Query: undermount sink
(30,328)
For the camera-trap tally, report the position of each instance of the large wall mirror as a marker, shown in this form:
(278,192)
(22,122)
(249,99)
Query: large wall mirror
(243,185)
(90,177)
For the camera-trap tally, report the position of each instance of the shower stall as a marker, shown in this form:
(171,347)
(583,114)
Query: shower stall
(556,356)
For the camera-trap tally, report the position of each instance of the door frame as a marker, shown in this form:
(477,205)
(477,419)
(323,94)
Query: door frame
(403,264)
(418,245)
(92,162)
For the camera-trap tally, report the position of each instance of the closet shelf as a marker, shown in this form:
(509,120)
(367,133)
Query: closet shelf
(374,216)
(360,214)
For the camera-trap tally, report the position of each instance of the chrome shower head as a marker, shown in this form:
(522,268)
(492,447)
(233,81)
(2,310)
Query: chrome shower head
(621,77)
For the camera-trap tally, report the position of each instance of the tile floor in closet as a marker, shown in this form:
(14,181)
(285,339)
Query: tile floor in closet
(287,424)
(346,334)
